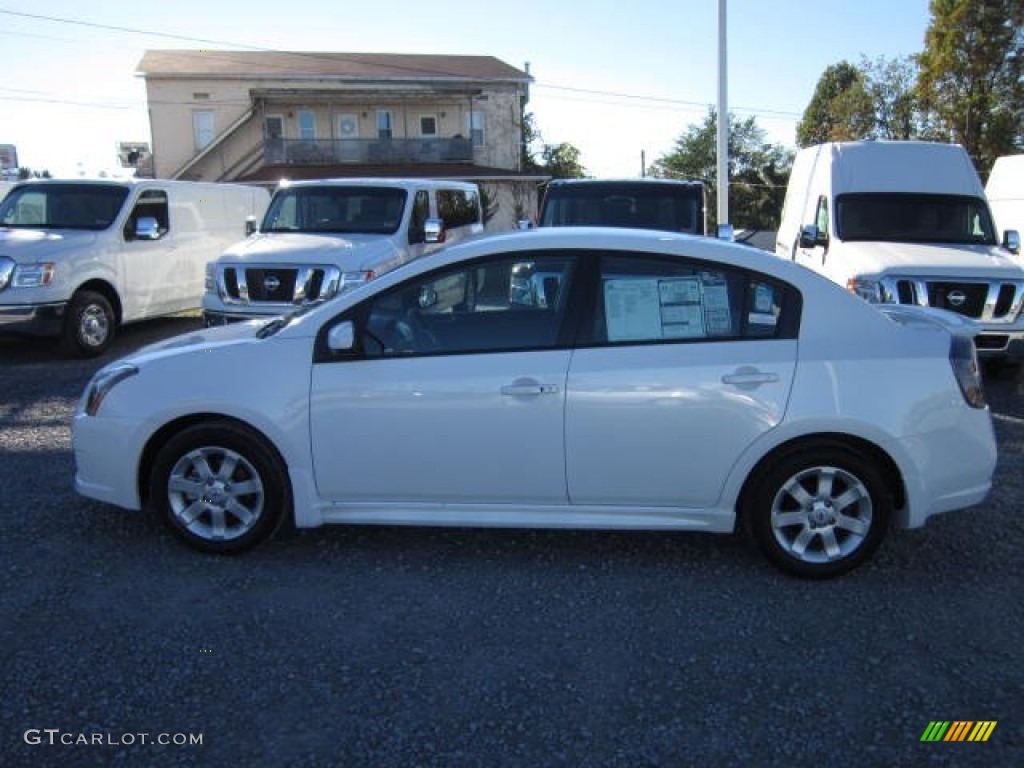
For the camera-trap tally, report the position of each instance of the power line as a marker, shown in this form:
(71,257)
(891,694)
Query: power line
(412,69)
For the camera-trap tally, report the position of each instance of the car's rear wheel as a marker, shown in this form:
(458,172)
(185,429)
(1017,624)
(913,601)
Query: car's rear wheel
(819,512)
(220,487)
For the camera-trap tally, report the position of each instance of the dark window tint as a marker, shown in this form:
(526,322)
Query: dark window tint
(458,208)
(914,218)
(512,303)
(345,210)
(420,214)
(644,299)
(62,206)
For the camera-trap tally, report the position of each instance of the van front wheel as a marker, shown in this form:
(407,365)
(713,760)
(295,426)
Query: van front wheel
(89,324)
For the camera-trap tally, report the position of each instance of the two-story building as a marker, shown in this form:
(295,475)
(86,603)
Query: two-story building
(262,116)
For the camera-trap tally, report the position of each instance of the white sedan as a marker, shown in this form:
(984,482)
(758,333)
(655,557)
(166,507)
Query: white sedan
(576,378)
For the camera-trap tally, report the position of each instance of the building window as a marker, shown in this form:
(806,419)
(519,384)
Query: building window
(428,126)
(202,129)
(385,125)
(307,124)
(476,128)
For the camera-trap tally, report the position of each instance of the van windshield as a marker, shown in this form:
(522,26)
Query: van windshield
(337,209)
(671,207)
(914,218)
(62,206)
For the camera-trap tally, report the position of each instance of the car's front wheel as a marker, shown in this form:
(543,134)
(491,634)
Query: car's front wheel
(220,487)
(819,512)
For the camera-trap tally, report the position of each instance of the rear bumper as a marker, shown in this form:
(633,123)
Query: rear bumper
(32,319)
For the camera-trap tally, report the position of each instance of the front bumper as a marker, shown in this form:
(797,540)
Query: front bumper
(32,319)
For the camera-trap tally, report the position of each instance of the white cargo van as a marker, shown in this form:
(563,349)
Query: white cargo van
(321,238)
(906,222)
(80,257)
(1005,192)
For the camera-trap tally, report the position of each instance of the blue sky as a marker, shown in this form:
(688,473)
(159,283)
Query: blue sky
(613,78)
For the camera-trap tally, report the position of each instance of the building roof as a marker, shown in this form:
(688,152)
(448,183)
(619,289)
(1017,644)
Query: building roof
(458,171)
(282,65)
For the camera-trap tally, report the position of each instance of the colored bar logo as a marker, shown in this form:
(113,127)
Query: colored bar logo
(958,730)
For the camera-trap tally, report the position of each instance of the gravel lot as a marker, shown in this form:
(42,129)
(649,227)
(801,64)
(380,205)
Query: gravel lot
(435,647)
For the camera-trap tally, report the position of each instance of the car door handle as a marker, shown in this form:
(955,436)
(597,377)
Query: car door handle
(748,378)
(529,389)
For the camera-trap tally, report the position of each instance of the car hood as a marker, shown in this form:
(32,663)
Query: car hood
(201,341)
(27,246)
(958,260)
(345,251)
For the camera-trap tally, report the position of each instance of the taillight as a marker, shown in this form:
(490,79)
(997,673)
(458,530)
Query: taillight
(964,358)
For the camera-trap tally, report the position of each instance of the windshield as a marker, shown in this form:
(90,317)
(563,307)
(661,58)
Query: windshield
(62,206)
(914,218)
(368,210)
(668,207)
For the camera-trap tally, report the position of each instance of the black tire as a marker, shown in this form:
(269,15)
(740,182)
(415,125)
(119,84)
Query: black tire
(88,324)
(219,487)
(818,512)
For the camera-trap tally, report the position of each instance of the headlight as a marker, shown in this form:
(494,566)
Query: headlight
(103,382)
(354,279)
(33,275)
(869,290)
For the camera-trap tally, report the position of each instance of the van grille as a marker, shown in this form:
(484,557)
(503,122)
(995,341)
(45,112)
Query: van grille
(998,301)
(272,284)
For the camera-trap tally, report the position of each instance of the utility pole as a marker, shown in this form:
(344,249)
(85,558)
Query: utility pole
(724,228)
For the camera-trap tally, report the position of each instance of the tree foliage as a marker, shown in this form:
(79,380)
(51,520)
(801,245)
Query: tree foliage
(758,170)
(560,161)
(841,108)
(970,79)
(890,87)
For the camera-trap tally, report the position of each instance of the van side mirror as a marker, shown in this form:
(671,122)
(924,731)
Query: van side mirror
(250,225)
(810,237)
(433,230)
(1011,240)
(342,337)
(147,228)
(524,224)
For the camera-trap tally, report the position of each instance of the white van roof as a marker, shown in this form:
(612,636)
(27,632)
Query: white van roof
(902,166)
(1006,182)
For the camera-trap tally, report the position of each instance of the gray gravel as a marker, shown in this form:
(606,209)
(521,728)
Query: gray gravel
(435,647)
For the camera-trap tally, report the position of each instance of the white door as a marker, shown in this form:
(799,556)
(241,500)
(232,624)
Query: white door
(348,137)
(687,367)
(456,393)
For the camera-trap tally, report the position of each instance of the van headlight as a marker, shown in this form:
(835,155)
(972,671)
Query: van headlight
(869,290)
(33,275)
(103,382)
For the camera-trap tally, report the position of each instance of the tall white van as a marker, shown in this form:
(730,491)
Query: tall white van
(906,222)
(321,238)
(1005,192)
(80,257)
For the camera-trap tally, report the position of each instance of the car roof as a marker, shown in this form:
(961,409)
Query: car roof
(398,183)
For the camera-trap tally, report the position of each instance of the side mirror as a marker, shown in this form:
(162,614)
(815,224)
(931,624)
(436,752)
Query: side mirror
(342,337)
(1011,241)
(250,225)
(810,237)
(147,228)
(524,224)
(725,232)
(433,230)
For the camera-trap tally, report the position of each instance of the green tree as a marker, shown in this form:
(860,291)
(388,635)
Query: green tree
(970,79)
(758,170)
(560,161)
(841,108)
(890,85)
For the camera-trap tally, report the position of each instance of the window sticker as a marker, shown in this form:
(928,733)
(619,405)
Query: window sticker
(669,308)
(632,309)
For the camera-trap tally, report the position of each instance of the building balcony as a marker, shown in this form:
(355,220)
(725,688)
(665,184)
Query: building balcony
(366,151)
